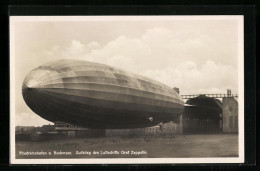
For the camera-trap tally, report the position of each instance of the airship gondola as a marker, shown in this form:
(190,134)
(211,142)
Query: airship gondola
(98,96)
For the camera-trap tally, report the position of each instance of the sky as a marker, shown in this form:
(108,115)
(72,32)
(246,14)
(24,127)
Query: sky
(196,54)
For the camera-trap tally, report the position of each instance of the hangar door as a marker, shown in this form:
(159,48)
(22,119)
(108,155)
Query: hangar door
(202,115)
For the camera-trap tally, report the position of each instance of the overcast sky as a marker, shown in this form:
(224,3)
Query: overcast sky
(196,54)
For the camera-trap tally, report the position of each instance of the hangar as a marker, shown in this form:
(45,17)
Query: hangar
(211,113)
(202,115)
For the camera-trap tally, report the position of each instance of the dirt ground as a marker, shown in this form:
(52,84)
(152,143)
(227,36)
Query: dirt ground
(219,145)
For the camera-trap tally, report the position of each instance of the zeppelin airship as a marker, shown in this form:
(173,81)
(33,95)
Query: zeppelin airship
(98,96)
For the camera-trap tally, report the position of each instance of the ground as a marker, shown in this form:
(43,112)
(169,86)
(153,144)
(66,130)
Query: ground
(219,145)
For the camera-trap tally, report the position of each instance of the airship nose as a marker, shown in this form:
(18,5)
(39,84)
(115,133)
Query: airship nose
(30,82)
(34,79)
(32,90)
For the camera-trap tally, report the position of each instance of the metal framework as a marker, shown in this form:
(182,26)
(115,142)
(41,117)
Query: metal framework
(209,95)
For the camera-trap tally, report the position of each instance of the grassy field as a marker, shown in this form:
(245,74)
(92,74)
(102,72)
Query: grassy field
(219,145)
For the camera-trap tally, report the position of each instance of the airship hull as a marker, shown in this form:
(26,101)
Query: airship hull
(98,96)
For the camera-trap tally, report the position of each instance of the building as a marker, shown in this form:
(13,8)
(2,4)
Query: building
(171,128)
(59,130)
(74,131)
(230,115)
